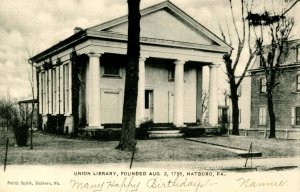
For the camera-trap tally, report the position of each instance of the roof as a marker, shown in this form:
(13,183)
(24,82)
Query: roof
(288,59)
(104,31)
(170,7)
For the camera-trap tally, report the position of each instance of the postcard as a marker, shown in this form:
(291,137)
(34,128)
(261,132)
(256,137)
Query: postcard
(149,95)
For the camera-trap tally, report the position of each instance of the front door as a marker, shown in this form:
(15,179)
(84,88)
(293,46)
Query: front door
(223,116)
(149,104)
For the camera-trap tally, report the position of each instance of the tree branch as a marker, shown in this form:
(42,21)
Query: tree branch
(233,20)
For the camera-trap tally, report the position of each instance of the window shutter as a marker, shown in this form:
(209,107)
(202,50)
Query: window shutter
(293,116)
(61,87)
(46,91)
(50,90)
(70,88)
(57,90)
(297,82)
(40,93)
(293,80)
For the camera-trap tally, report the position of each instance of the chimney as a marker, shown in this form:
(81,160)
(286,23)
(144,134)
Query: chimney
(77,29)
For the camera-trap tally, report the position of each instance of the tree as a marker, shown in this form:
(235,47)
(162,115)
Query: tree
(271,56)
(75,91)
(31,81)
(233,59)
(127,140)
(204,108)
(8,112)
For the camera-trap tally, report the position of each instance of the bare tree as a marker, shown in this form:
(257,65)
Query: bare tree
(31,81)
(204,105)
(127,140)
(233,59)
(278,28)
(8,112)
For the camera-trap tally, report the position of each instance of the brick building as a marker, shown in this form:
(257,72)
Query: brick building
(286,97)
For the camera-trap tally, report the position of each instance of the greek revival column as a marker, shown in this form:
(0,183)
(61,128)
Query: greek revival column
(94,91)
(213,95)
(141,92)
(178,113)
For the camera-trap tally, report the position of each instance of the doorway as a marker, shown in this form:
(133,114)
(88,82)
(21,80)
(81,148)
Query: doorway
(149,104)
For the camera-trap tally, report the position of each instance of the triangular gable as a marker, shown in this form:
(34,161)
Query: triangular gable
(165,21)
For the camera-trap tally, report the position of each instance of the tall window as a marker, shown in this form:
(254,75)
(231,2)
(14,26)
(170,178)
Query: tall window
(172,73)
(44,90)
(48,91)
(297,115)
(67,88)
(262,114)
(298,82)
(54,91)
(60,89)
(263,85)
(111,69)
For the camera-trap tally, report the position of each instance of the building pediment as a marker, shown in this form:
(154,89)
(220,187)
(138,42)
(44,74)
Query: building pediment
(162,25)
(165,21)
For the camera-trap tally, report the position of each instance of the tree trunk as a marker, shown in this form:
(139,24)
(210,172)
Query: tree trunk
(235,114)
(75,93)
(271,116)
(234,103)
(127,140)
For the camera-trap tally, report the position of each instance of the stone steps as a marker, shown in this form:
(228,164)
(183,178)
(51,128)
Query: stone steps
(165,134)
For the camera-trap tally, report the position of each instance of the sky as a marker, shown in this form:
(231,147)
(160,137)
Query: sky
(29,27)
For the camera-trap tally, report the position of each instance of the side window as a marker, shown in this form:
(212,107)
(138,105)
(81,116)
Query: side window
(262,115)
(67,88)
(42,90)
(297,115)
(298,54)
(54,91)
(298,83)
(263,85)
(47,91)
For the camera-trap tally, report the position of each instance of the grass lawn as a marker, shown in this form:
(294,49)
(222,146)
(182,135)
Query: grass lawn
(51,149)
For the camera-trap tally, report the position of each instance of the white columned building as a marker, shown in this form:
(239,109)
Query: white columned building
(141,92)
(94,102)
(213,95)
(179,94)
(164,96)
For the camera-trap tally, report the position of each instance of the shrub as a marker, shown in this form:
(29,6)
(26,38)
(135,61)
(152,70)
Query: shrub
(12,116)
(223,130)
(142,131)
(21,134)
